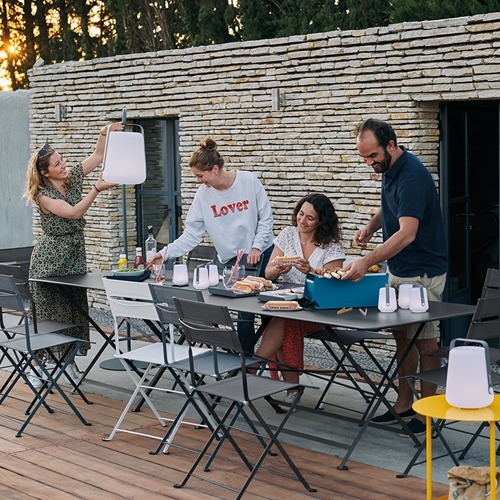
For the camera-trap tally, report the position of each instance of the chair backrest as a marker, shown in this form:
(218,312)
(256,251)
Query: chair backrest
(11,299)
(20,272)
(200,255)
(163,298)
(16,255)
(207,324)
(130,299)
(485,323)
(491,281)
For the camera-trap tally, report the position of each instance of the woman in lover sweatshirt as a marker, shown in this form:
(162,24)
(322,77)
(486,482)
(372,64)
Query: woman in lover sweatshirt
(231,205)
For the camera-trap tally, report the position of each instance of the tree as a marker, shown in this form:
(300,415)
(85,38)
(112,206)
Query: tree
(421,10)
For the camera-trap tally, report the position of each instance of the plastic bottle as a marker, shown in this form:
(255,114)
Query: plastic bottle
(122,262)
(150,244)
(139,261)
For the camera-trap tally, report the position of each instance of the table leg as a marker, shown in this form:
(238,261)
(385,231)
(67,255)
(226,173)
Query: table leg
(493,467)
(428,439)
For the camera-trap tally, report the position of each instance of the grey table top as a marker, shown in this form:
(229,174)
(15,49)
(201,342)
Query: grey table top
(374,320)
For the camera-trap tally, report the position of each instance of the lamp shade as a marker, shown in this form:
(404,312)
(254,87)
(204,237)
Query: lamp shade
(180,275)
(200,278)
(124,157)
(213,275)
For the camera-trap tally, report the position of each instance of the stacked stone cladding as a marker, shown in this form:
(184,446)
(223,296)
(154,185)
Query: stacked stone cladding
(331,81)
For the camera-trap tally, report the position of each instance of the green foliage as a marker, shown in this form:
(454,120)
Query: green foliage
(63,30)
(421,10)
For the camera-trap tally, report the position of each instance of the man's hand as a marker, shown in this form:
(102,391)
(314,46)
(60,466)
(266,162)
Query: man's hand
(355,270)
(362,237)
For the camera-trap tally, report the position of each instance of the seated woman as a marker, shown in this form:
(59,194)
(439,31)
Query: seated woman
(315,236)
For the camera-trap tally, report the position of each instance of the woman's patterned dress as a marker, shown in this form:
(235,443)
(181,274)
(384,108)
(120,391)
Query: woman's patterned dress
(59,252)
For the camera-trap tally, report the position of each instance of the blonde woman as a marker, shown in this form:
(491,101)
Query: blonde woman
(57,192)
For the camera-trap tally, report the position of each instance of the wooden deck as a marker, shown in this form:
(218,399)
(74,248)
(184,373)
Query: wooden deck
(58,458)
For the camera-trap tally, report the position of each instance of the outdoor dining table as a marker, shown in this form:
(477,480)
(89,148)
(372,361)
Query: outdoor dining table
(355,320)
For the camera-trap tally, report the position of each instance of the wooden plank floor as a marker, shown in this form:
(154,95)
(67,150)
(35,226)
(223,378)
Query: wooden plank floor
(59,458)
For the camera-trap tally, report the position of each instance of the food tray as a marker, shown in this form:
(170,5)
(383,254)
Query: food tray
(219,290)
(130,276)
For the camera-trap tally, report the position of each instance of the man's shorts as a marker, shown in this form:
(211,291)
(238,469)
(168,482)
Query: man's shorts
(435,287)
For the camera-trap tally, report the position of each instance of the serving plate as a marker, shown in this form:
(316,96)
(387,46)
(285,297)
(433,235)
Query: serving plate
(132,276)
(134,273)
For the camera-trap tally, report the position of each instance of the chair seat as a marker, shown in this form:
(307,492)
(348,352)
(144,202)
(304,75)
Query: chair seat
(258,387)
(153,353)
(42,327)
(204,363)
(38,342)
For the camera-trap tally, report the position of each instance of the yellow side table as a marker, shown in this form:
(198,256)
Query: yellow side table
(437,407)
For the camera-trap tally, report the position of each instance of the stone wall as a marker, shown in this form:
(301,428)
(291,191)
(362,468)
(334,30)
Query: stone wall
(330,81)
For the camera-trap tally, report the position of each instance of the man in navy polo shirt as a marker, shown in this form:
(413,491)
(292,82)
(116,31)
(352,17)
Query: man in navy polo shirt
(413,244)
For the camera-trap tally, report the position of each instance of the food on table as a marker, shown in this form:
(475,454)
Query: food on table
(281,305)
(286,259)
(375,268)
(127,270)
(334,272)
(241,287)
(344,310)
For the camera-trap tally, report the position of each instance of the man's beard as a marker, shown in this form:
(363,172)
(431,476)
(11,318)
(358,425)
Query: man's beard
(384,165)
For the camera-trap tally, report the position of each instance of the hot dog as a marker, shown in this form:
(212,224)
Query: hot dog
(281,305)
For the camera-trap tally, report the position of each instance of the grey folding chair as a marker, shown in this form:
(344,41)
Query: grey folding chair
(200,255)
(211,324)
(226,364)
(26,346)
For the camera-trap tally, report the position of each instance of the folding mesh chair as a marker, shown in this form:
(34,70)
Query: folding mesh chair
(200,255)
(207,363)
(26,346)
(205,323)
(131,301)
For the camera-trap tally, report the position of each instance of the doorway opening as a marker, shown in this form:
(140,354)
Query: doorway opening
(158,199)
(469,168)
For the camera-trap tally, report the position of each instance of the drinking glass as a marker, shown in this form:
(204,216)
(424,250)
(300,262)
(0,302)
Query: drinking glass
(158,273)
(230,275)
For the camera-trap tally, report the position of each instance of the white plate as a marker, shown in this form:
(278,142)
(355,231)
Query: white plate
(137,272)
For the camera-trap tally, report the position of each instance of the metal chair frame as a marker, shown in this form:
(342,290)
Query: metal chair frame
(27,346)
(205,323)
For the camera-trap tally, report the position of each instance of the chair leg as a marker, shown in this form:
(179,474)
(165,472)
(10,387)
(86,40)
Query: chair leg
(45,390)
(219,428)
(138,390)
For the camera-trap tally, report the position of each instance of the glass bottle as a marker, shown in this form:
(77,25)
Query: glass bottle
(122,261)
(139,261)
(150,244)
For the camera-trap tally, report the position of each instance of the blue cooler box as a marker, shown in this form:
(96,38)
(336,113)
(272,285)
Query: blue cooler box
(332,293)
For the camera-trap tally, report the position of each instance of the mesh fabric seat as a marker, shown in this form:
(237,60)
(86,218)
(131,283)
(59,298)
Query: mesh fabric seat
(205,323)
